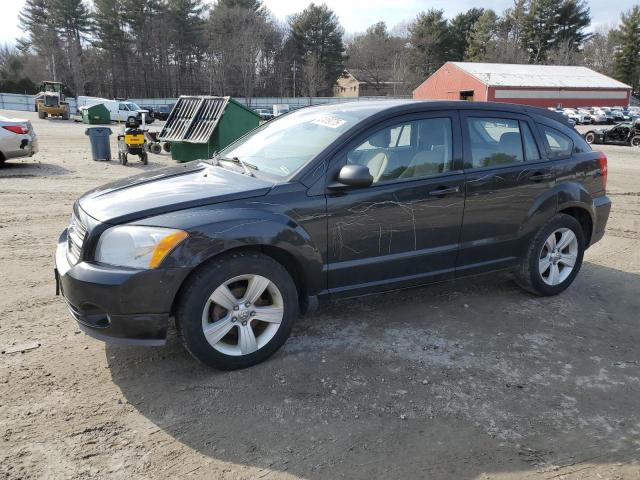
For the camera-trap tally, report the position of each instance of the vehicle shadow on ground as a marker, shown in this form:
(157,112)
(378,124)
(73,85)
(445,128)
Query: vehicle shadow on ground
(30,168)
(448,381)
(155,161)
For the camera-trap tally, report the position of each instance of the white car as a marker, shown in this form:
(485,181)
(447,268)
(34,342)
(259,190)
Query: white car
(580,116)
(17,138)
(599,116)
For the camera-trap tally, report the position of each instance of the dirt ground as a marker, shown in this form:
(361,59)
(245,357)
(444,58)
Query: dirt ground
(466,380)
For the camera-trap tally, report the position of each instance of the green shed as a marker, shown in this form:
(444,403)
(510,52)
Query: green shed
(96,115)
(200,126)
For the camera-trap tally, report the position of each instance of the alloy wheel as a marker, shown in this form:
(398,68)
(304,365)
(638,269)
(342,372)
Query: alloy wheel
(558,256)
(242,315)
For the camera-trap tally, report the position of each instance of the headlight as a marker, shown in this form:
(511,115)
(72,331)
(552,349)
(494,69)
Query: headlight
(137,247)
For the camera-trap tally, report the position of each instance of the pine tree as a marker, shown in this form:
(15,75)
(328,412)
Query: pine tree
(511,42)
(111,38)
(460,29)
(482,39)
(540,28)
(627,58)
(573,18)
(41,35)
(73,22)
(317,36)
(186,28)
(428,37)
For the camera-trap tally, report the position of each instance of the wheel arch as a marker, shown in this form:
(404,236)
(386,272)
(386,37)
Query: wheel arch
(584,218)
(576,201)
(290,263)
(569,198)
(224,232)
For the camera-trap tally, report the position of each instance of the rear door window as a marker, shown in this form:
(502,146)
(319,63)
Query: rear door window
(494,142)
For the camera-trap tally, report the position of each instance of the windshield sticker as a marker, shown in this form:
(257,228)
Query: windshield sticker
(329,121)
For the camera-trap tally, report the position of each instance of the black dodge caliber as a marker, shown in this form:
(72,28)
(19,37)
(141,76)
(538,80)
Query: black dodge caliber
(328,202)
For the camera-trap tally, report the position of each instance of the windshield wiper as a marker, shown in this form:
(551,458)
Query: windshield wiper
(245,165)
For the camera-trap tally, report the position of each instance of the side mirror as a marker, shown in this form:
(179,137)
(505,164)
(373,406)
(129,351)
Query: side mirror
(357,176)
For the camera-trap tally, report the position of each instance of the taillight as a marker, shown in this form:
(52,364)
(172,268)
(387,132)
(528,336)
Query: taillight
(19,129)
(604,170)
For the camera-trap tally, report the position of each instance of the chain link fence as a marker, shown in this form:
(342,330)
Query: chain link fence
(25,103)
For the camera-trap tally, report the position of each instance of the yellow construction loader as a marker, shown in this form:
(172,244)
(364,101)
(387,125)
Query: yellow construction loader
(50,101)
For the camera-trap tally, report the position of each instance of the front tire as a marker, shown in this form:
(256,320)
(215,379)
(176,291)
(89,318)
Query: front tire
(237,311)
(635,141)
(553,258)
(590,138)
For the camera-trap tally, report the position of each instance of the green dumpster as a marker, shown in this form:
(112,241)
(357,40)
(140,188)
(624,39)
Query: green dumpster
(96,115)
(200,126)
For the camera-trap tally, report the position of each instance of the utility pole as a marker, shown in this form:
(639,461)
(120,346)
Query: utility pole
(295,67)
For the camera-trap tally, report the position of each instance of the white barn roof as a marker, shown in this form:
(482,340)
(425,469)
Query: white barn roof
(554,76)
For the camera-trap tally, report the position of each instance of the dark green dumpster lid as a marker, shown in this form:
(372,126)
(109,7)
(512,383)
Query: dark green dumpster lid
(195,118)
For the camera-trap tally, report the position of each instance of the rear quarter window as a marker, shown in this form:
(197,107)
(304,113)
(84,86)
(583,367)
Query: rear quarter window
(557,144)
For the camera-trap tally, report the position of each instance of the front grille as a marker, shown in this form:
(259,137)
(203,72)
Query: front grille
(51,100)
(76,234)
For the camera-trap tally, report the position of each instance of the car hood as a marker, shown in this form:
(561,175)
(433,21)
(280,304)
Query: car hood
(170,189)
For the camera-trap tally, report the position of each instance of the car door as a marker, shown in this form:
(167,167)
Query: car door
(506,176)
(622,133)
(404,228)
(123,112)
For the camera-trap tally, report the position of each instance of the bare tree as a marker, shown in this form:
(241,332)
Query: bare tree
(313,75)
(600,49)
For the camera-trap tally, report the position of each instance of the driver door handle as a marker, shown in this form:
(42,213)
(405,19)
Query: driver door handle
(442,191)
(539,177)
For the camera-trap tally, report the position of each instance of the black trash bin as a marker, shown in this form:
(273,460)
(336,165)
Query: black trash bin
(100,145)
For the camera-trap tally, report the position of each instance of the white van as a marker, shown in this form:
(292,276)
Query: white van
(119,110)
(280,109)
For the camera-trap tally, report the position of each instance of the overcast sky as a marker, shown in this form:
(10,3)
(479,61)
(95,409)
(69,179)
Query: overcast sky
(357,15)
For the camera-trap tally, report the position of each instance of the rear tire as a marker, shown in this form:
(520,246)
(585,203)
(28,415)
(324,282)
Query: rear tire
(226,298)
(553,258)
(166,146)
(155,148)
(635,141)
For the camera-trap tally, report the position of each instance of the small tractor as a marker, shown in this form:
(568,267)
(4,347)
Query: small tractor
(50,101)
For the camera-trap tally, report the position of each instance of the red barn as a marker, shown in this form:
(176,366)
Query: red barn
(538,85)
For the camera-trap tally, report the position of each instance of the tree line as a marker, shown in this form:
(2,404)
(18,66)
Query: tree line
(165,48)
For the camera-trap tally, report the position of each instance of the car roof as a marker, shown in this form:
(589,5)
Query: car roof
(367,108)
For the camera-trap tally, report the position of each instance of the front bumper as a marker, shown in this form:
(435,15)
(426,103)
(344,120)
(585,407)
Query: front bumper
(602,207)
(118,305)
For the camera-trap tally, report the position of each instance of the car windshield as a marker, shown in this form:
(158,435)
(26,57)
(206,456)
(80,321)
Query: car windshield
(284,145)
(132,106)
